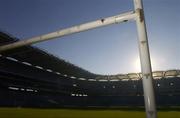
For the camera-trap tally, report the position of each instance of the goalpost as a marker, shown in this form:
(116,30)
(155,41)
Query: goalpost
(138,16)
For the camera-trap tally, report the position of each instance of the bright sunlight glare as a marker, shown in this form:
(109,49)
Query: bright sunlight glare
(137,65)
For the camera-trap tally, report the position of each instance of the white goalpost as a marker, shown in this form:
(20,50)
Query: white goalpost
(138,16)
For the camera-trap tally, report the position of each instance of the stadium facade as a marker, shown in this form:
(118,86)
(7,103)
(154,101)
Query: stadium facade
(31,77)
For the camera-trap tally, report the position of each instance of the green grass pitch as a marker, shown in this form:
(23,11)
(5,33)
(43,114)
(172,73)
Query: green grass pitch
(77,113)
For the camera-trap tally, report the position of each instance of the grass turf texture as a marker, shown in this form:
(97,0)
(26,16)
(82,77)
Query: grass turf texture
(79,113)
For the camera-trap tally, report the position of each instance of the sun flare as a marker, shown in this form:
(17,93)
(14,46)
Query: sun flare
(137,65)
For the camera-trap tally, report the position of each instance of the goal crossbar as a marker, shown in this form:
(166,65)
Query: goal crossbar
(75,29)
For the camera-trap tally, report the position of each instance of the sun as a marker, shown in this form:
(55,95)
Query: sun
(137,65)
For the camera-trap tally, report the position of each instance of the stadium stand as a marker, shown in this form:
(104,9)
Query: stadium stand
(30,77)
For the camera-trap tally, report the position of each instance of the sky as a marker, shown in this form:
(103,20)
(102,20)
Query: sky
(109,50)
